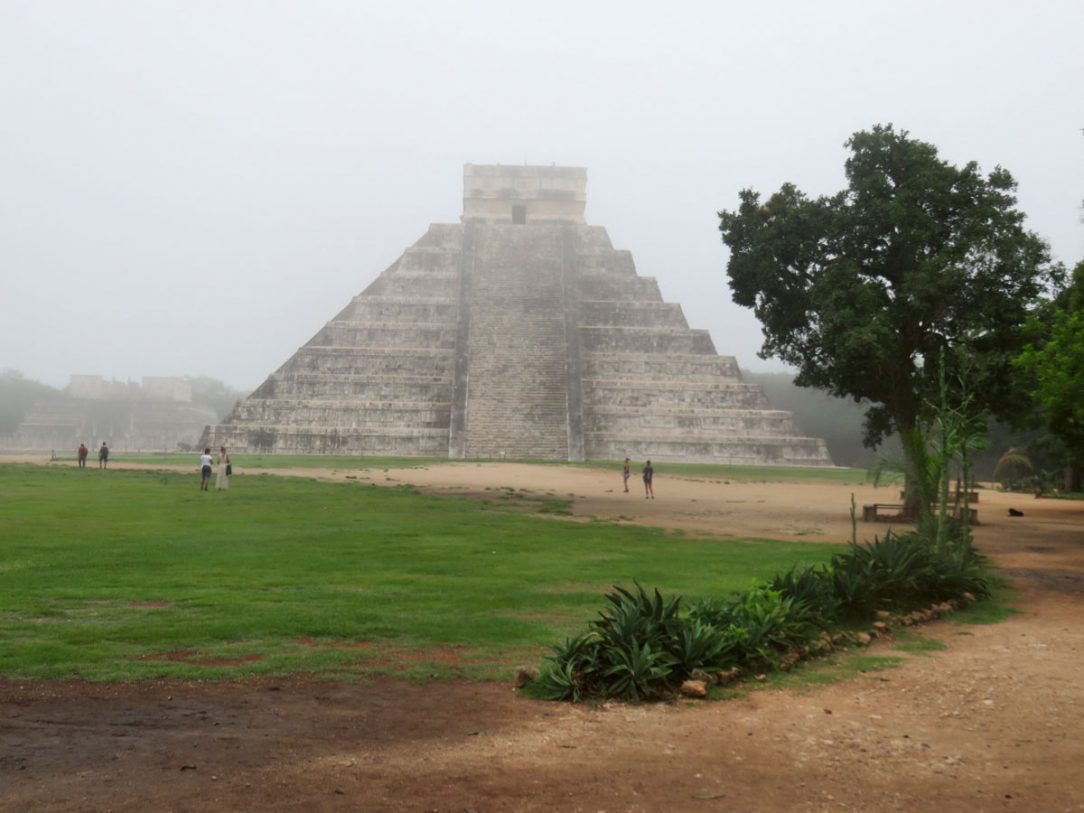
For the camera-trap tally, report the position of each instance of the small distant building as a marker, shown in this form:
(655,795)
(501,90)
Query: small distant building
(162,388)
(87,386)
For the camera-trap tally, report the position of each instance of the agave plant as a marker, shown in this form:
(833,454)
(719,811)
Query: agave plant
(569,672)
(772,623)
(636,618)
(811,589)
(898,565)
(637,673)
(703,646)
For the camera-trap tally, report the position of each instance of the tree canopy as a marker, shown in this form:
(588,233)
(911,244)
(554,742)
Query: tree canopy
(1054,365)
(861,291)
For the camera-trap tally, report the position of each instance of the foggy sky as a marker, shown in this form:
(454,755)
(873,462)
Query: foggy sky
(197,187)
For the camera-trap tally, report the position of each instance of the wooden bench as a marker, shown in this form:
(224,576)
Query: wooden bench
(972,496)
(879,512)
(972,515)
(893,512)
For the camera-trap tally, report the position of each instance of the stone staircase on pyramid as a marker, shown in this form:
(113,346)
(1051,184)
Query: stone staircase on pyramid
(520,333)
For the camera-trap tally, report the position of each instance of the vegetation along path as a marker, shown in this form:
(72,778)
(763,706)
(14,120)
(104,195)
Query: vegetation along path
(959,715)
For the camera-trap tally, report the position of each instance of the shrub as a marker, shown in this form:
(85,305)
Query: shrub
(955,570)
(642,647)
(622,654)
(812,589)
(569,673)
(902,571)
(771,618)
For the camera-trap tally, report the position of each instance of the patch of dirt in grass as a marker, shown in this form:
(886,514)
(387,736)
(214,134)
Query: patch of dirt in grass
(176,655)
(151,604)
(235,661)
(384,657)
(314,642)
(200,659)
(446,655)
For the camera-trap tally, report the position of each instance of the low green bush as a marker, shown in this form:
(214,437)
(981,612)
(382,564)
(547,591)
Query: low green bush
(764,622)
(896,572)
(639,648)
(814,589)
(642,647)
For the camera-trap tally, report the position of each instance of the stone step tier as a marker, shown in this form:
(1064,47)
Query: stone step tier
(417,362)
(713,422)
(752,451)
(272,438)
(651,395)
(701,367)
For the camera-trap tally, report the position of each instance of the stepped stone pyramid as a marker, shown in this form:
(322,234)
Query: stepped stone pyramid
(519,333)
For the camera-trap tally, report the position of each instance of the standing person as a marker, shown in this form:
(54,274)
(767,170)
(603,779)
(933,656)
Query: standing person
(205,461)
(103,456)
(83,453)
(649,474)
(626,473)
(222,477)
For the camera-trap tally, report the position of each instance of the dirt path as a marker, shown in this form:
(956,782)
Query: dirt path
(992,723)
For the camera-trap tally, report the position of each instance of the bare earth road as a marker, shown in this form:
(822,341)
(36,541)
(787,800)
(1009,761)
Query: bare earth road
(995,722)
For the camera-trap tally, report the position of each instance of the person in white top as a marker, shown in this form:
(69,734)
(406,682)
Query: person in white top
(205,463)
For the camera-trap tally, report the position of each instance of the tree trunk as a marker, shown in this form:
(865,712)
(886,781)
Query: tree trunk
(913,465)
(1072,478)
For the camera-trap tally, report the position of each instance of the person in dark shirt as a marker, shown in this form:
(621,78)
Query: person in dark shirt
(649,474)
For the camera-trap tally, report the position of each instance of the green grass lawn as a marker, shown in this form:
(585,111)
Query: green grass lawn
(122,575)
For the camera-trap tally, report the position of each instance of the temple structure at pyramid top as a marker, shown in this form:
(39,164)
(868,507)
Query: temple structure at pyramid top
(518,333)
(521,195)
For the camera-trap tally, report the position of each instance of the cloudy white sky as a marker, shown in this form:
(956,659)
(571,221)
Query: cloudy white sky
(195,187)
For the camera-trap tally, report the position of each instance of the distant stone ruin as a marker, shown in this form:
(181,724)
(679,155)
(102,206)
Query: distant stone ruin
(519,333)
(157,414)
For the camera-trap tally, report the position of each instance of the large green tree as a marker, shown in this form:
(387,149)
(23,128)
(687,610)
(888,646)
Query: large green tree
(1054,370)
(866,290)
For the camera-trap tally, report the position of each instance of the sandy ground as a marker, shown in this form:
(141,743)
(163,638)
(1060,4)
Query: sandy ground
(992,723)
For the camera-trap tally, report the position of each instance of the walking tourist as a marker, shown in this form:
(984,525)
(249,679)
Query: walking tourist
(83,453)
(103,456)
(626,473)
